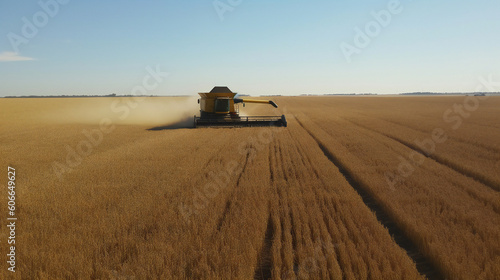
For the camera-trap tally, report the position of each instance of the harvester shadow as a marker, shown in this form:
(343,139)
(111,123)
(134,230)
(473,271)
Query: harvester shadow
(169,127)
(187,123)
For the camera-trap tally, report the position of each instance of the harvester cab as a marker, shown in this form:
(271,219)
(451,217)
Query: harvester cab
(217,108)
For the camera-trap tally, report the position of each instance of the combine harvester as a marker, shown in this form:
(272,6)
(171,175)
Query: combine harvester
(218,109)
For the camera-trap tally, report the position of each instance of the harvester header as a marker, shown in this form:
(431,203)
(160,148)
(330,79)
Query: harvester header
(217,108)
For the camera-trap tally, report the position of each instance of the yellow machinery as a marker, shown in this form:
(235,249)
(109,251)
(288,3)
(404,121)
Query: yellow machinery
(217,108)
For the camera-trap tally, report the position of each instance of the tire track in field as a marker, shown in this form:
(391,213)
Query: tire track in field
(263,270)
(285,160)
(283,166)
(227,208)
(455,167)
(424,266)
(468,122)
(322,205)
(454,181)
(455,138)
(264,262)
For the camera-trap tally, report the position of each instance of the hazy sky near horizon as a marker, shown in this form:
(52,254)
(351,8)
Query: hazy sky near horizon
(256,47)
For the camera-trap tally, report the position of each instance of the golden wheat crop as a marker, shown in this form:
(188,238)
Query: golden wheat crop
(351,189)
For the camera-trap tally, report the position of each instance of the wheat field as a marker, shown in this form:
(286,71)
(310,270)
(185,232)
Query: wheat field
(365,187)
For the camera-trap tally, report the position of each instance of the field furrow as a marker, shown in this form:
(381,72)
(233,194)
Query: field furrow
(424,266)
(314,241)
(480,161)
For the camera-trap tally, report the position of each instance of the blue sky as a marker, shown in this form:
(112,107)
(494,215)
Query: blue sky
(254,47)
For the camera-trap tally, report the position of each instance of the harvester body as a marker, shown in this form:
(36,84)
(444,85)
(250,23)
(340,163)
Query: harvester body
(218,108)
